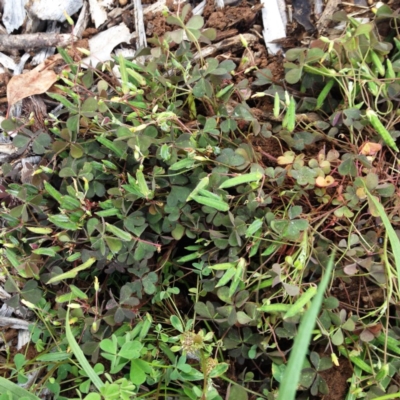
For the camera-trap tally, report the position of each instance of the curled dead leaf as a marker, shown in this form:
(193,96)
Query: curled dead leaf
(320,181)
(360,192)
(370,148)
(37,81)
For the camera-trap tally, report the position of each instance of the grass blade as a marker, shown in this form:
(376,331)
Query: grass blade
(83,362)
(288,386)
(394,240)
(17,392)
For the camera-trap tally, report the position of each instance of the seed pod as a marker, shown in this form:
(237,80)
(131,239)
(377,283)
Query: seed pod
(383,132)
(390,74)
(276,105)
(297,307)
(324,93)
(378,63)
(291,115)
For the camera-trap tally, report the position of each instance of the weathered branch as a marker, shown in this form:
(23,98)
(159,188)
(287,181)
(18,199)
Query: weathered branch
(35,41)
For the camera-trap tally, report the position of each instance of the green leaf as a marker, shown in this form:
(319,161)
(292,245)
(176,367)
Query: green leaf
(67,172)
(12,258)
(49,251)
(109,346)
(218,370)
(78,292)
(83,362)
(178,232)
(205,310)
(337,338)
(131,350)
(291,377)
(202,88)
(295,211)
(89,105)
(228,275)
(184,163)
(21,141)
(72,273)
(119,233)
(264,77)
(137,371)
(63,222)
(176,36)
(40,144)
(118,148)
(293,76)
(76,150)
(223,266)
(364,29)
(9,125)
(171,19)
(54,357)
(149,281)
(393,238)
(176,323)
(39,231)
(213,203)
(141,181)
(115,245)
(18,393)
(196,22)
(347,167)
(237,392)
(62,100)
(73,127)
(53,192)
(69,203)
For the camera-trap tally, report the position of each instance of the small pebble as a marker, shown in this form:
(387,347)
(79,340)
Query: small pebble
(122,2)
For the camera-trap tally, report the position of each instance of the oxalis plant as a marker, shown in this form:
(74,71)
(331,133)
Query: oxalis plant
(163,255)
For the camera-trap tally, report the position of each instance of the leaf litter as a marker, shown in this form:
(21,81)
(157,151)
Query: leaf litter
(237,19)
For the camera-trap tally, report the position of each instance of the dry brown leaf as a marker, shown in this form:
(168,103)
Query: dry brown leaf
(324,182)
(370,148)
(36,81)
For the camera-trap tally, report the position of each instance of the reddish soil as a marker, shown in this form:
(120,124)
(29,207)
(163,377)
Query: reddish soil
(336,379)
(241,16)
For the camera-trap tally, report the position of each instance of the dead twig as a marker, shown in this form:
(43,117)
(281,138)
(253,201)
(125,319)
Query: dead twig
(35,41)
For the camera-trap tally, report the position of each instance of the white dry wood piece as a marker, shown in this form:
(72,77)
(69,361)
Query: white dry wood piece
(4,296)
(318,7)
(20,66)
(104,43)
(97,12)
(82,21)
(46,52)
(16,109)
(160,5)
(14,323)
(219,3)
(34,41)
(13,14)
(7,62)
(198,10)
(32,377)
(129,54)
(5,311)
(53,10)
(8,148)
(139,24)
(24,337)
(232,44)
(274,24)
(330,7)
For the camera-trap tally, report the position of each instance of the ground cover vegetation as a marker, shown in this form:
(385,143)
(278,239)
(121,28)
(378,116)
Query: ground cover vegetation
(165,254)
